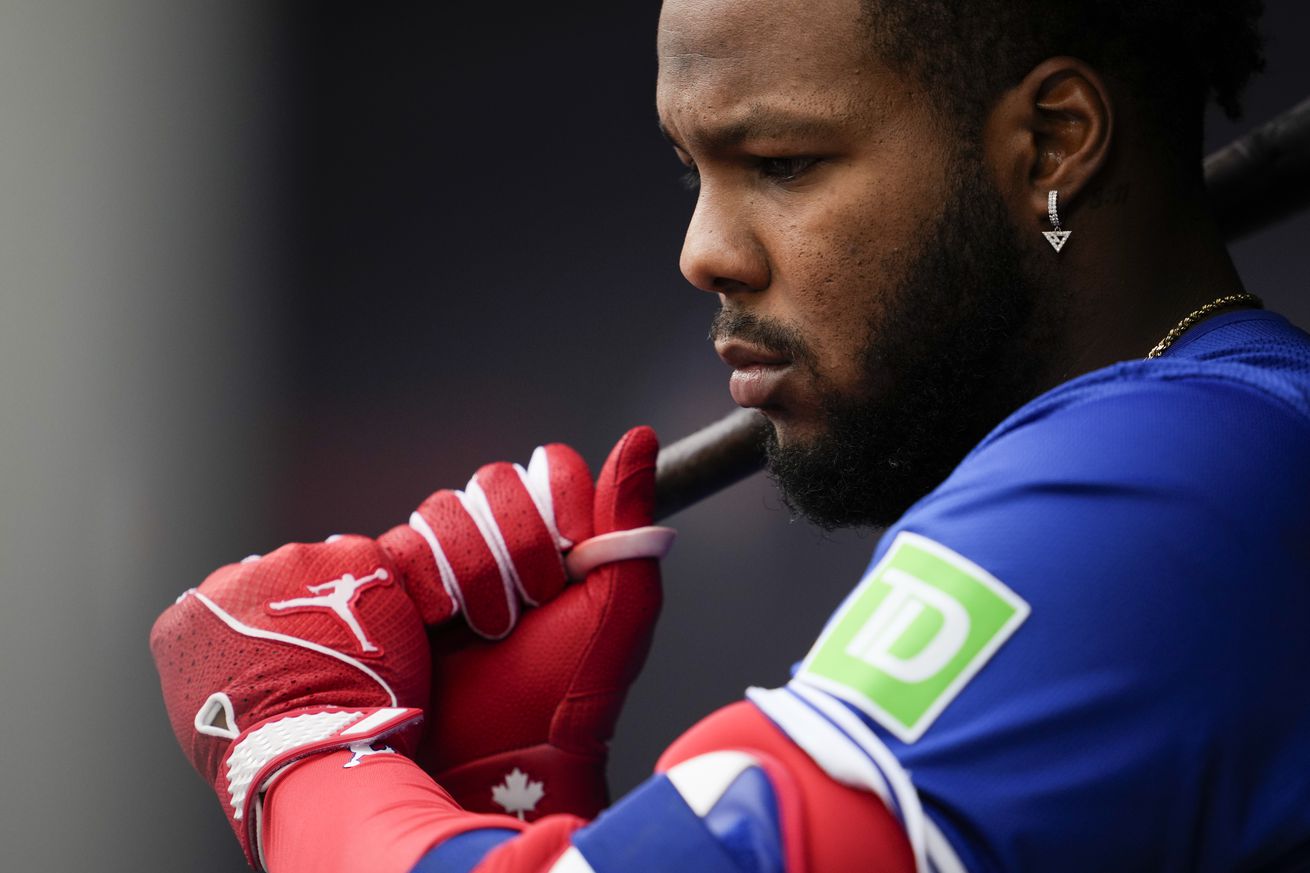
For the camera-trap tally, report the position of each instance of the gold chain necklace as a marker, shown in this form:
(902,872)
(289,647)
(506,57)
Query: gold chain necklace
(1244,298)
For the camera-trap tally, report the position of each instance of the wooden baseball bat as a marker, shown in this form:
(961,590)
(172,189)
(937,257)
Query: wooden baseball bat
(1251,183)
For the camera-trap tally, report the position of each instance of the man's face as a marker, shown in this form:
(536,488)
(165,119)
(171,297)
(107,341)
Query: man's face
(874,304)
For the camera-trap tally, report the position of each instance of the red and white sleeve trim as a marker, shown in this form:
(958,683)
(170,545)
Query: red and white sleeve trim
(852,754)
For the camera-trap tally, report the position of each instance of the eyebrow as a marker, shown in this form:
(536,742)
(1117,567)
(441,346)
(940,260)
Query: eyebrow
(759,123)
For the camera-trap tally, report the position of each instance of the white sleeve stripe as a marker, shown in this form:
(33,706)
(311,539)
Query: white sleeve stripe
(448,580)
(571,862)
(940,851)
(817,737)
(907,797)
(855,732)
(828,744)
(936,846)
(259,633)
(475,503)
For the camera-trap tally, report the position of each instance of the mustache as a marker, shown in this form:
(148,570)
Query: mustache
(768,334)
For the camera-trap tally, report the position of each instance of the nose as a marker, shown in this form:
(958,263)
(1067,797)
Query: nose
(721,254)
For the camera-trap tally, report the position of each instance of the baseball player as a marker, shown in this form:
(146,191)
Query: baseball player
(967,273)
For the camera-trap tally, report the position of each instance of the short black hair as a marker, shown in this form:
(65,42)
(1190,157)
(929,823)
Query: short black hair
(1174,55)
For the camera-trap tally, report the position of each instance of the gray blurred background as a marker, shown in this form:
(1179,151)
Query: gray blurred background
(273,270)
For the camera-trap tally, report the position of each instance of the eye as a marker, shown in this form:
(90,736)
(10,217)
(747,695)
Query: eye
(785,169)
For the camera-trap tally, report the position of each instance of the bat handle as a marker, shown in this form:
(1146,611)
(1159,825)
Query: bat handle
(709,460)
(1262,177)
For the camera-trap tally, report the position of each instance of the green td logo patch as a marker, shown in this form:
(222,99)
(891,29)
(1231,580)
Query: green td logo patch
(912,635)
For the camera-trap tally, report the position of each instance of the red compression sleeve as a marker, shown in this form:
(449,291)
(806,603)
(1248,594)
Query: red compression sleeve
(386,813)
(381,816)
(839,828)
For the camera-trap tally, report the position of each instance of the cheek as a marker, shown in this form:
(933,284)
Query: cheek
(844,256)
(837,280)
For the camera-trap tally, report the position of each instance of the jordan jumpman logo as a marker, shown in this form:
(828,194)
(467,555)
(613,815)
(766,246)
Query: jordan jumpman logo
(360,751)
(337,597)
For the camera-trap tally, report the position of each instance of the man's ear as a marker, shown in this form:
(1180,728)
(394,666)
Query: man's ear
(1051,132)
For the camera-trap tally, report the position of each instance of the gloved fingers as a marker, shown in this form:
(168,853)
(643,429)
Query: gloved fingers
(559,680)
(474,575)
(478,551)
(415,560)
(521,526)
(505,535)
(561,482)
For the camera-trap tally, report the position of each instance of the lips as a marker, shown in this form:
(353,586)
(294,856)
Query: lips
(757,374)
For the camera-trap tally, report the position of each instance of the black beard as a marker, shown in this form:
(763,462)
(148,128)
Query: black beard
(961,339)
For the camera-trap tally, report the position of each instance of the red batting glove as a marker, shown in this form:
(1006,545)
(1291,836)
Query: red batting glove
(522,726)
(511,536)
(480,551)
(308,649)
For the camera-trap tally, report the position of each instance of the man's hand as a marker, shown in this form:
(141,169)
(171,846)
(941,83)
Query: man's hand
(543,702)
(307,649)
(481,552)
(320,647)
(512,538)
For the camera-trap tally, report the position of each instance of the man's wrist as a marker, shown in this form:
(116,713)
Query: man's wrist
(263,753)
(337,812)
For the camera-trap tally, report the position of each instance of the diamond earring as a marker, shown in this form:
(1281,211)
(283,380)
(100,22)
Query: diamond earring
(1056,237)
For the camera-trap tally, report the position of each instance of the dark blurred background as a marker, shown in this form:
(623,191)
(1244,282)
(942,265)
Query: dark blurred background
(270,271)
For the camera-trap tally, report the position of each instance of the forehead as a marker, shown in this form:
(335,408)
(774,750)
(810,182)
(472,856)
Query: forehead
(728,59)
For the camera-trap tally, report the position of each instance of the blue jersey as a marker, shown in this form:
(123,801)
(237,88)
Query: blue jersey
(1089,648)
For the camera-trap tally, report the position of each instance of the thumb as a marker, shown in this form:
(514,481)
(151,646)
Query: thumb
(623,508)
(620,600)
(625,489)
